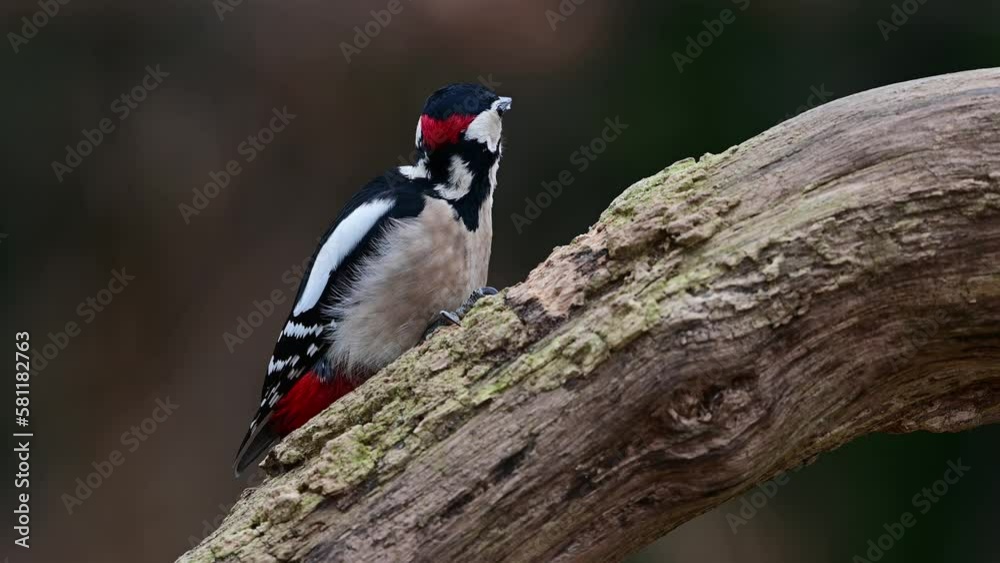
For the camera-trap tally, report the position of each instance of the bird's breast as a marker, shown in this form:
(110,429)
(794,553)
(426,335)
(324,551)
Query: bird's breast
(423,265)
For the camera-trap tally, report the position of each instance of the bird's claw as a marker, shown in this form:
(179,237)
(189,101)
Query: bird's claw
(473,299)
(455,317)
(450,317)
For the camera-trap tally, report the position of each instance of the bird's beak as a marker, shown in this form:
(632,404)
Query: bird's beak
(503,104)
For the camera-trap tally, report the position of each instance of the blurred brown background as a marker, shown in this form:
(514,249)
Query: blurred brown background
(161,336)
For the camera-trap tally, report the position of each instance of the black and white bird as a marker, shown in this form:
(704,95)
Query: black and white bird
(411,247)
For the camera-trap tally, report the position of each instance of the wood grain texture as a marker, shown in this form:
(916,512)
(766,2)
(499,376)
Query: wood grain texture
(724,320)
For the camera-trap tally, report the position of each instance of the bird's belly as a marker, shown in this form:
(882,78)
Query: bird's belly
(426,264)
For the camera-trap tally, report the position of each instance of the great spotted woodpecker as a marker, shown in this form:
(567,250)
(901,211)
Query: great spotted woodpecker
(409,248)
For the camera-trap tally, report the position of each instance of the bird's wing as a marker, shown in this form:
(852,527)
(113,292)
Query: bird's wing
(304,339)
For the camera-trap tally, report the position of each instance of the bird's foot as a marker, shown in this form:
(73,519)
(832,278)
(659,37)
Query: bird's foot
(454,318)
(478,294)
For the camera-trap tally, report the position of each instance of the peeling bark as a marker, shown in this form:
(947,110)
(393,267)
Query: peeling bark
(725,320)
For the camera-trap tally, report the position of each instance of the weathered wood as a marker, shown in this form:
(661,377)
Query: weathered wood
(725,320)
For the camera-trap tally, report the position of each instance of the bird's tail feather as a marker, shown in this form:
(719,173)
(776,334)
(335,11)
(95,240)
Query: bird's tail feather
(257,441)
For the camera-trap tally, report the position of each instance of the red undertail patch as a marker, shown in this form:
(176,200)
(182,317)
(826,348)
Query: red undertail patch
(307,398)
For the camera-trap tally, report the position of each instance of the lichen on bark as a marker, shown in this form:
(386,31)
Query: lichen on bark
(725,319)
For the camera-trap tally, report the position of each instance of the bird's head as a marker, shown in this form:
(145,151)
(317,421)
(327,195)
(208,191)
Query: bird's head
(462,116)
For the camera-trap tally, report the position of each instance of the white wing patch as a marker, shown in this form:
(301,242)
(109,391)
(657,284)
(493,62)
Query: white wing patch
(345,238)
(278,365)
(298,330)
(272,397)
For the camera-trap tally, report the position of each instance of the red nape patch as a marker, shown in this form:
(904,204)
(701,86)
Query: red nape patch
(439,132)
(307,398)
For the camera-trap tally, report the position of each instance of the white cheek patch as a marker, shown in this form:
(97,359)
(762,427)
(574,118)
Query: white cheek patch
(343,241)
(486,129)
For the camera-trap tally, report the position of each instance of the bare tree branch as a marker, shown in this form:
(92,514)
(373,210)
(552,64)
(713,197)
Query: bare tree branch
(724,320)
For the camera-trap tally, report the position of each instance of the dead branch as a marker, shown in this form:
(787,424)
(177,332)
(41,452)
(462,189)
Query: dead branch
(724,320)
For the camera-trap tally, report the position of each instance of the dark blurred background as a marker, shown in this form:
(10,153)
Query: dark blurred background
(73,228)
